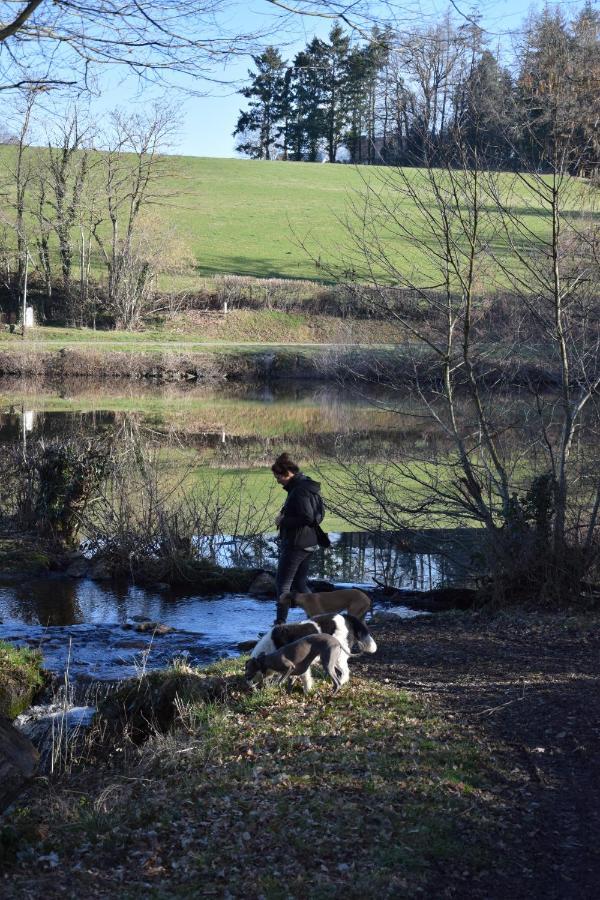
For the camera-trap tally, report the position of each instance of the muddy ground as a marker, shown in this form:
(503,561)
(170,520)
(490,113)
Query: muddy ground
(526,689)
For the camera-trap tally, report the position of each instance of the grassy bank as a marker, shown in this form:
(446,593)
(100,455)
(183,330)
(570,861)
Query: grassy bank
(270,795)
(238,327)
(460,761)
(20,678)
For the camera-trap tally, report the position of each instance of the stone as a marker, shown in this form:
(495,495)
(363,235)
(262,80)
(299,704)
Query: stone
(78,568)
(246,646)
(263,585)
(154,628)
(318,586)
(131,645)
(378,618)
(19,761)
(100,570)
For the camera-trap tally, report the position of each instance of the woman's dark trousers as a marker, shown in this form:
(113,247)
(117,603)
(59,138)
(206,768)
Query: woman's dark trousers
(292,571)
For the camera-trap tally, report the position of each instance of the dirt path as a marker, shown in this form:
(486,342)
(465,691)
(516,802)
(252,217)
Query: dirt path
(526,689)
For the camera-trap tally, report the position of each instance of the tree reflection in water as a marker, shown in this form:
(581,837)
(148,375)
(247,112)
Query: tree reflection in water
(364,558)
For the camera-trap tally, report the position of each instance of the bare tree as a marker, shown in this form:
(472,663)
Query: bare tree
(517,462)
(134,177)
(19,176)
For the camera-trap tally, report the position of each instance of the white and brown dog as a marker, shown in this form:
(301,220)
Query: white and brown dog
(347,629)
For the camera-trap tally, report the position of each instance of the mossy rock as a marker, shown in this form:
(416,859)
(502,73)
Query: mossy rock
(21,678)
(143,706)
(213,579)
(20,555)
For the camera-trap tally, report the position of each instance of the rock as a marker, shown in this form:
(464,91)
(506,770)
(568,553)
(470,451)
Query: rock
(21,678)
(131,645)
(78,568)
(100,570)
(263,585)
(379,618)
(246,646)
(438,600)
(18,762)
(318,586)
(22,554)
(144,706)
(153,627)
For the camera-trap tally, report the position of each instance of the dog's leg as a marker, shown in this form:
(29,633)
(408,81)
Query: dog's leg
(289,686)
(287,675)
(330,662)
(307,681)
(341,664)
(336,682)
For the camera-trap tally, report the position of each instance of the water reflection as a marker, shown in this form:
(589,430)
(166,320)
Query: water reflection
(42,602)
(362,558)
(234,422)
(354,558)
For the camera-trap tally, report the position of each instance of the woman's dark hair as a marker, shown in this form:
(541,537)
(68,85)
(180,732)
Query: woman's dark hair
(284,464)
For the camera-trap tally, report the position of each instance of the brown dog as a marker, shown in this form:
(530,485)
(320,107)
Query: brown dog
(346,599)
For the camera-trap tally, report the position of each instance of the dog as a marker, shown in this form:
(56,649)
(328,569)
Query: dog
(350,599)
(296,658)
(347,629)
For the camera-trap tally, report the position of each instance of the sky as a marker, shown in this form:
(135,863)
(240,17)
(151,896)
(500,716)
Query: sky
(209,121)
(208,115)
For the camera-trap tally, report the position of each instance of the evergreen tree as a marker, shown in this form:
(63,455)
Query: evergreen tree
(486,115)
(308,97)
(335,89)
(586,81)
(260,125)
(399,99)
(545,96)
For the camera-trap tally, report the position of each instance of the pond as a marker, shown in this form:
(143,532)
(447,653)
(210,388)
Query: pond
(89,626)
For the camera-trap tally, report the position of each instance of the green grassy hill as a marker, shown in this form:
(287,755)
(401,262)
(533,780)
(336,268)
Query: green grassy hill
(250,218)
(246,217)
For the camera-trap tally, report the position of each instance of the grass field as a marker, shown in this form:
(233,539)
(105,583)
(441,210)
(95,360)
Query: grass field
(238,329)
(249,217)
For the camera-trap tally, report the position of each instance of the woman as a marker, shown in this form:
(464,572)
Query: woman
(297,522)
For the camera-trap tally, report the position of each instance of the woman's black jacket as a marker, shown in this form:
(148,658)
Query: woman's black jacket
(297,527)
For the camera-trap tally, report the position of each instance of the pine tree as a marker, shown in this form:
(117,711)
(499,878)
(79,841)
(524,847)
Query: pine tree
(308,98)
(545,95)
(485,113)
(586,81)
(260,125)
(335,89)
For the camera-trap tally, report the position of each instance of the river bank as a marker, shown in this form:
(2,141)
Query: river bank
(459,761)
(170,356)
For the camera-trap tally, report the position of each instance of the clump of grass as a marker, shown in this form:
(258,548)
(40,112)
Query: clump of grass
(21,677)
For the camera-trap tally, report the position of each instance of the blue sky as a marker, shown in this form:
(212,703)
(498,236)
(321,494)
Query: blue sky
(207,121)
